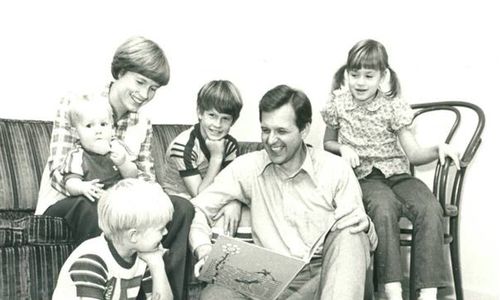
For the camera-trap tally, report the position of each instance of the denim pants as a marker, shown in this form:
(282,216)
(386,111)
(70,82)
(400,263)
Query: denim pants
(386,200)
(339,274)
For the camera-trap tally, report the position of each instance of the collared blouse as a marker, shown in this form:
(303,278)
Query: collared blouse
(371,130)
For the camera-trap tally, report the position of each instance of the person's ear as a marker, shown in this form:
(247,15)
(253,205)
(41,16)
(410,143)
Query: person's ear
(199,113)
(305,132)
(132,235)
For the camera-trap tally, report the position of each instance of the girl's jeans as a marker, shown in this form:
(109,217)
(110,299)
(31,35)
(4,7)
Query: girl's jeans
(386,200)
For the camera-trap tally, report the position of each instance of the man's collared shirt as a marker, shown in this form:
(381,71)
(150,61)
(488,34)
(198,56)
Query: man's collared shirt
(289,213)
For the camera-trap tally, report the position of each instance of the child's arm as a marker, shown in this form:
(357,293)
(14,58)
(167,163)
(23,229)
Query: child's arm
(118,155)
(331,144)
(419,155)
(195,184)
(161,286)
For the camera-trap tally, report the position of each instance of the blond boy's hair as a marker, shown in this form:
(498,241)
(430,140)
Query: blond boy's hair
(133,203)
(88,104)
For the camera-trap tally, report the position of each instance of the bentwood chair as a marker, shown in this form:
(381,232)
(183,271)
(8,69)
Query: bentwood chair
(448,181)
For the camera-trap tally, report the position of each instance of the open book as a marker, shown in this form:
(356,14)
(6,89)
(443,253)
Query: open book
(253,271)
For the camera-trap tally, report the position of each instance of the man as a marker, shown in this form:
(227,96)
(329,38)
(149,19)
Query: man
(294,191)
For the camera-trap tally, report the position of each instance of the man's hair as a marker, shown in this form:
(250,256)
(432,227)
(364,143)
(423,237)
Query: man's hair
(88,104)
(142,56)
(133,203)
(221,95)
(282,95)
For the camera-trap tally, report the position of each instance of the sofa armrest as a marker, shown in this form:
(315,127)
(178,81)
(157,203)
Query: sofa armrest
(34,230)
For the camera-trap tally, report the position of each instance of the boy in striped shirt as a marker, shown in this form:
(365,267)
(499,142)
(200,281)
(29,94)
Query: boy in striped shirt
(125,262)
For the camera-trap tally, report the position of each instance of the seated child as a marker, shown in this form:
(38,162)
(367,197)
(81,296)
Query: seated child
(197,155)
(96,163)
(125,261)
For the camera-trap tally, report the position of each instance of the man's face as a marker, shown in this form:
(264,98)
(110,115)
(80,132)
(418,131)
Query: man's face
(282,138)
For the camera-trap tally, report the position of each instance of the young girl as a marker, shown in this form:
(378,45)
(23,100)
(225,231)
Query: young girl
(364,126)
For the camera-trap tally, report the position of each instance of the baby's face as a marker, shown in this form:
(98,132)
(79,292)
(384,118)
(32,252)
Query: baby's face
(95,131)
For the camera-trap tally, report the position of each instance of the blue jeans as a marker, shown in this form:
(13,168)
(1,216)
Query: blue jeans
(340,274)
(386,200)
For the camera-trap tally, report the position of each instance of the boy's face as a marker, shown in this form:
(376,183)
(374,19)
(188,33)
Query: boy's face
(95,131)
(150,239)
(214,125)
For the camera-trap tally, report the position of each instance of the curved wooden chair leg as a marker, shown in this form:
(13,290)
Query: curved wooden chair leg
(455,264)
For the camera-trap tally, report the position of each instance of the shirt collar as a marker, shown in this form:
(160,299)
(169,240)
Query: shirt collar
(307,165)
(373,105)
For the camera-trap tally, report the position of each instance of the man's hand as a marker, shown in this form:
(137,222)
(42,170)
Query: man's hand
(353,217)
(202,253)
(232,216)
(349,155)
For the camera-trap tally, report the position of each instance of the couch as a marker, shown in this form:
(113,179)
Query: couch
(33,248)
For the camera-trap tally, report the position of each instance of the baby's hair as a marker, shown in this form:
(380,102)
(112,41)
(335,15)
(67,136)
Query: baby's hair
(88,104)
(133,203)
(368,54)
(143,56)
(221,95)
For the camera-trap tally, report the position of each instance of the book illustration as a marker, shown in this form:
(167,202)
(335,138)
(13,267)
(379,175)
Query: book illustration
(249,269)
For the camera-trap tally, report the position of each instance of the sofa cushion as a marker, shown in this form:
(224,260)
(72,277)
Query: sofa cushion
(24,148)
(34,230)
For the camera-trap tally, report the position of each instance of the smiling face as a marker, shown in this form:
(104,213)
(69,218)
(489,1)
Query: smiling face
(364,83)
(282,138)
(214,125)
(131,91)
(94,128)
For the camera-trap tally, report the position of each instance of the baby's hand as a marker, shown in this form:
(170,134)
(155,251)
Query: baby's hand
(349,155)
(216,147)
(446,150)
(91,189)
(118,153)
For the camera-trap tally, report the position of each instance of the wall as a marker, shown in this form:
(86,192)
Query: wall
(441,51)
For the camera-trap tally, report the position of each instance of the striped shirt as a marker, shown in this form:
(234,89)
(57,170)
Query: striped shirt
(95,270)
(188,155)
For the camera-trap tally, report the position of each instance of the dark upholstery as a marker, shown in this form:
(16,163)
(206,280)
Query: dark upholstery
(33,248)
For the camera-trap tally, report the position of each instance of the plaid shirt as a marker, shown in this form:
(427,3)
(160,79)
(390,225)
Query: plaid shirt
(132,129)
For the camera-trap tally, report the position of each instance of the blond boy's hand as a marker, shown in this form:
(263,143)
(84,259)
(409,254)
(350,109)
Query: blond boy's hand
(446,150)
(152,258)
